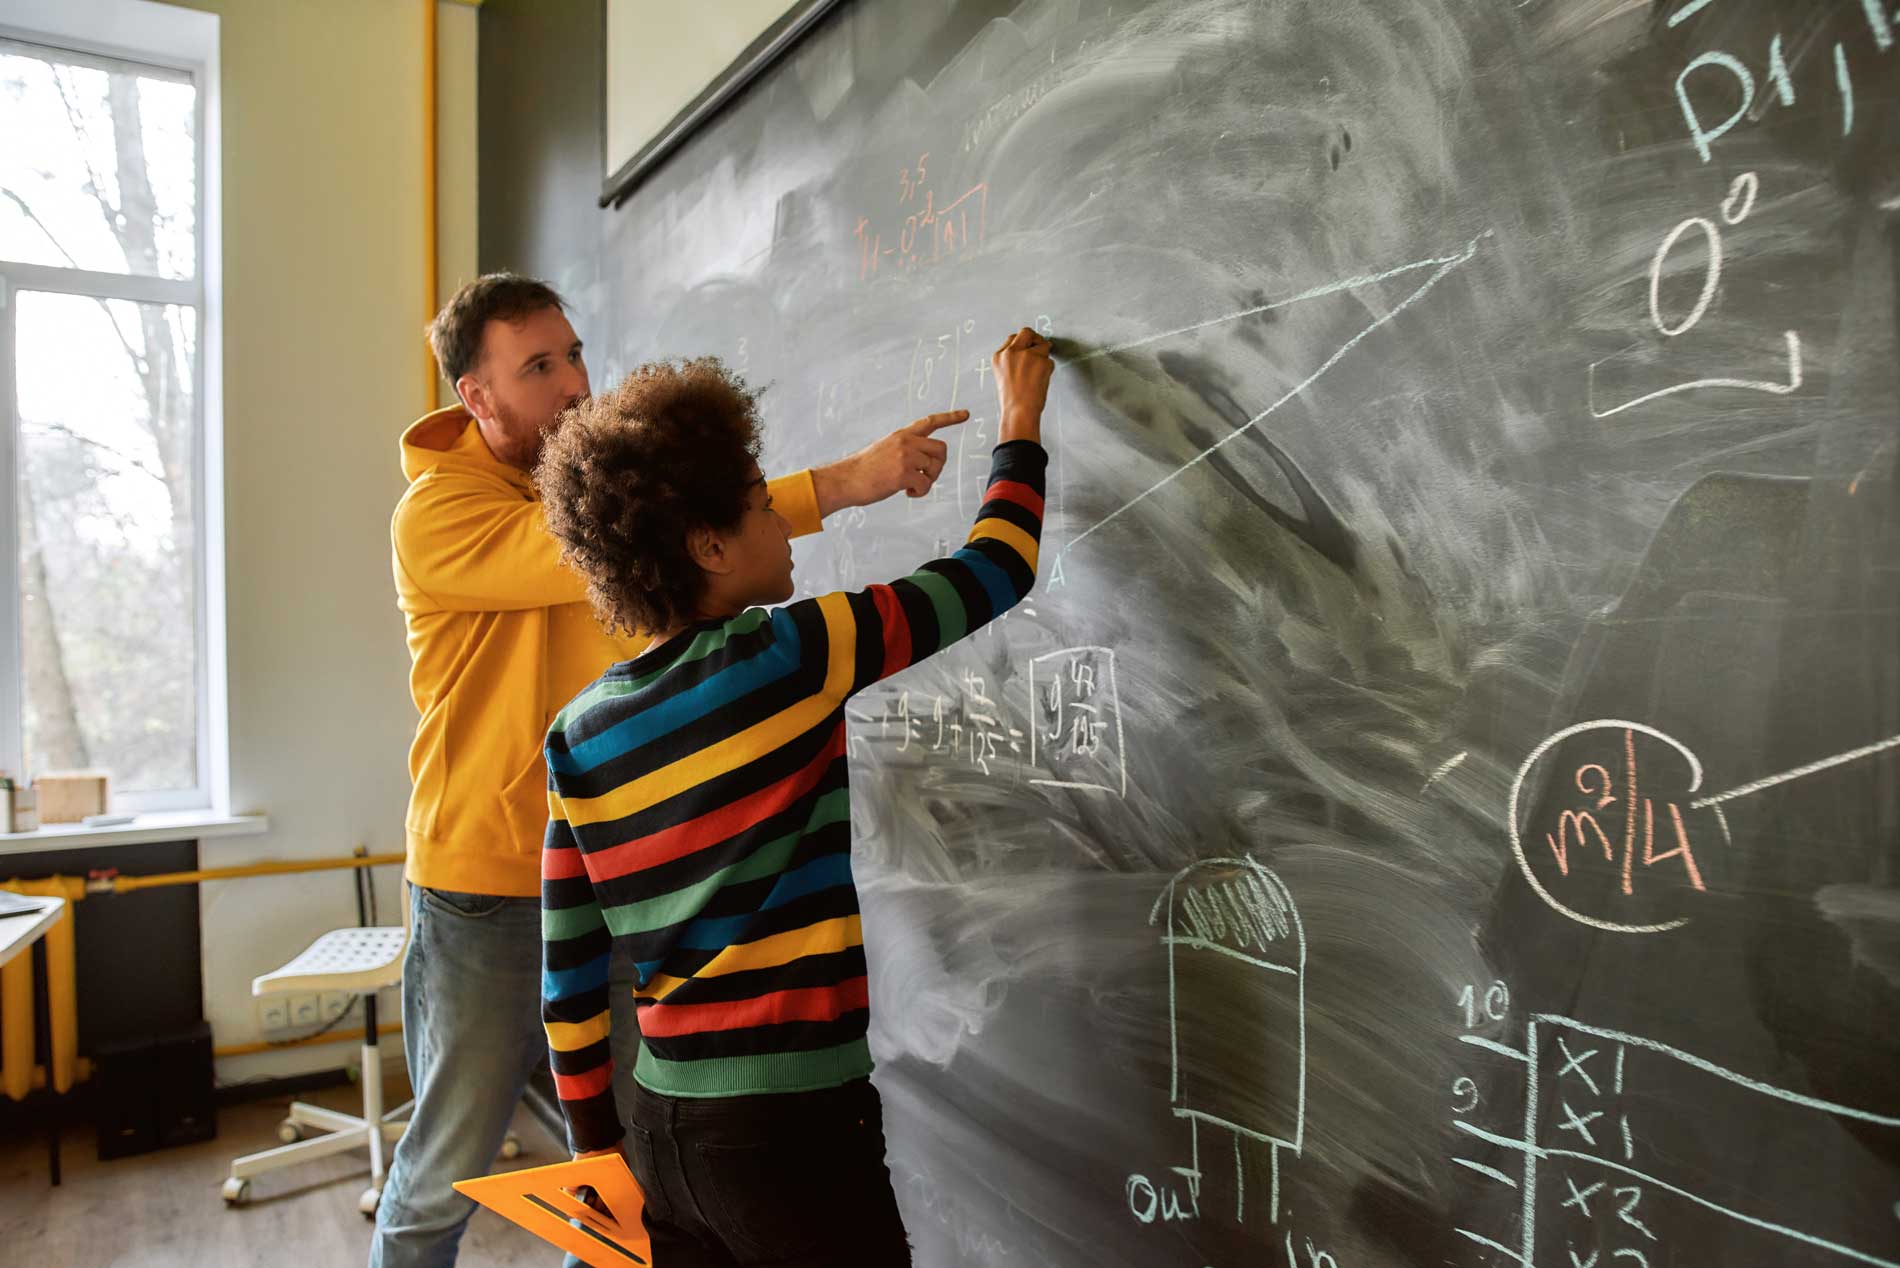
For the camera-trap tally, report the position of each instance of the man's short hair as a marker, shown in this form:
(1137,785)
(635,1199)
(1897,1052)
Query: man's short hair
(456,333)
(630,472)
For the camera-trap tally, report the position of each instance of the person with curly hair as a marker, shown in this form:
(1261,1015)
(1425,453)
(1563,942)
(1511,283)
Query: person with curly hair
(700,818)
(500,636)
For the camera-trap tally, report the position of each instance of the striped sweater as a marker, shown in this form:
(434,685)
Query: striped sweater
(700,816)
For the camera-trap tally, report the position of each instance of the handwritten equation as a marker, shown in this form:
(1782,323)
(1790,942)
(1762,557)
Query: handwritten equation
(1076,720)
(922,230)
(1066,732)
(966,726)
(1611,841)
(1605,816)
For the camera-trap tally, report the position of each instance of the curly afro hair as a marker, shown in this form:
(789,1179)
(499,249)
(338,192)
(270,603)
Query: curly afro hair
(629,473)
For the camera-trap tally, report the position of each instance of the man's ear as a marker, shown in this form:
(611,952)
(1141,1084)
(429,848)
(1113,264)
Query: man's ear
(475,397)
(708,549)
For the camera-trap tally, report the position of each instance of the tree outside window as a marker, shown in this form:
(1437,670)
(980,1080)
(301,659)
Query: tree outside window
(99,247)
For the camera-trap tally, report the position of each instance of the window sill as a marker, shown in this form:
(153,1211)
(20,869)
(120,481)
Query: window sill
(157,825)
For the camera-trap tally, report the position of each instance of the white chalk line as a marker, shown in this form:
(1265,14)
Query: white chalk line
(1491,1045)
(1065,783)
(1709,1067)
(1688,11)
(1497,1246)
(1450,263)
(1794,1234)
(1799,772)
(1502,1142)
(1793,385)
(1202,944)
(1318,292)
(1483,1170)
(1250,1133)
(1529,1146)
(1446,768)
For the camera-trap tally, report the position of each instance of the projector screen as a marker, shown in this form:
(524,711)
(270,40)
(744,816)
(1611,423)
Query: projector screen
(670,66)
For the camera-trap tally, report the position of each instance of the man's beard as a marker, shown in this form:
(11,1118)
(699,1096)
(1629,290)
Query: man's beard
(525,442)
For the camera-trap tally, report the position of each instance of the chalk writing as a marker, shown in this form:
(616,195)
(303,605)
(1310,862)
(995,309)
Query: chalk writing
(1719,67)
(1604,773)
(1735,208)
(1609,1195)
(1494,1007)
(998,116)
(1075,732)
(967,726)
(1775,387)
(931,231)
(1315,1257)
(1602,782)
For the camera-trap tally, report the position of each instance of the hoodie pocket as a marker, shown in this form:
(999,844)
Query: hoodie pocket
(524,805)
(428,779)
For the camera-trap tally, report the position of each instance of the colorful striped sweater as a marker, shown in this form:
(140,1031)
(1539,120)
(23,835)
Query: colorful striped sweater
(699,802)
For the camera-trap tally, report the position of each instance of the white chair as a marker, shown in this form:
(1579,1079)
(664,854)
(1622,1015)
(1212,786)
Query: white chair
(363,961)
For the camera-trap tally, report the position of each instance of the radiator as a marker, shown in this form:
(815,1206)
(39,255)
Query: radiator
(19,1072)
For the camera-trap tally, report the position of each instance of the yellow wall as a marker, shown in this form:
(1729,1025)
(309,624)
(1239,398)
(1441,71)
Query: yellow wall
(324,302)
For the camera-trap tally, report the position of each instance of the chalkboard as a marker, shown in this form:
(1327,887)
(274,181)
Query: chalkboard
(1440,804)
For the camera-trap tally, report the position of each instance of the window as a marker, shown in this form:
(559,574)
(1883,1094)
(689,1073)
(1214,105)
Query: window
(107,603)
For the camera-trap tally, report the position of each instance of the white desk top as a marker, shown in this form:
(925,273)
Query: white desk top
(18,933)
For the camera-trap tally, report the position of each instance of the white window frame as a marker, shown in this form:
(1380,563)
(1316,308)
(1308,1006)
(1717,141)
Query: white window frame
(140,34)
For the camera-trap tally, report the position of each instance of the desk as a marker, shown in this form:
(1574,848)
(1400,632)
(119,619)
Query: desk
(19,935)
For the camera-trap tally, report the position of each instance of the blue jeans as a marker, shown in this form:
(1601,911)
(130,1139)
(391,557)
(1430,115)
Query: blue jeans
(471,1018)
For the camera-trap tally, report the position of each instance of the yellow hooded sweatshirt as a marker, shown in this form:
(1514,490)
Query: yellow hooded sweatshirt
(500,638)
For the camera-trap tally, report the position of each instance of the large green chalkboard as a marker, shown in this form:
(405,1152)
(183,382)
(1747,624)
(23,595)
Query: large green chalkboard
(1440,805)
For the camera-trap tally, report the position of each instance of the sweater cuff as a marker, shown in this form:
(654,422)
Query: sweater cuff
(593,1124)
(796,498)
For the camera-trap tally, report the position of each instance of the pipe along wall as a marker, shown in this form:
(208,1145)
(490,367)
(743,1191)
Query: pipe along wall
(20,1072)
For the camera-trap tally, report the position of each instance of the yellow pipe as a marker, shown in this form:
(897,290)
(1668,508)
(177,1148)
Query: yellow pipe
(308,1041)
(431,394)
(18,1028)
(128,884)
(19,1074)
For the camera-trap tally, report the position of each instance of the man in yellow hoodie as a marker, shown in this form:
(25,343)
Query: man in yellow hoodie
(501,636)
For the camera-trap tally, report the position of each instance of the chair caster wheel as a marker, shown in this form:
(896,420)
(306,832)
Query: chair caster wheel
(236,1192)
(289,1132)
(367,1203)
(511,1146)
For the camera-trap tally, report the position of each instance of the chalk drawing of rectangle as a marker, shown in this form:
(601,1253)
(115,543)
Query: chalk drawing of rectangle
(1237,1001)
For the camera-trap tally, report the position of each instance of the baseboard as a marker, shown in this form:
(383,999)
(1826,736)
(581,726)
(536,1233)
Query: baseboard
(268,1089)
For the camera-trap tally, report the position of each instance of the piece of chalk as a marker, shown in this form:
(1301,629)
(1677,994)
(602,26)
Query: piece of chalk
(105,821)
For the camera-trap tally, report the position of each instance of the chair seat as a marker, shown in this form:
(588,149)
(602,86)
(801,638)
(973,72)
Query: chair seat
(342,960)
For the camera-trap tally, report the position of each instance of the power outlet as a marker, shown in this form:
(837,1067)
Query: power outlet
(273,1014)
(305,1010)
(335,1004)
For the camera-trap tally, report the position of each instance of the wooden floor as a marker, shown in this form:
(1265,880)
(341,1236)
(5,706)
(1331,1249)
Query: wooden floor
(162,1210)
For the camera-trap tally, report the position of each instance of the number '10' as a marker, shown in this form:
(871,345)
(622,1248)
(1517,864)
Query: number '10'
(1494,1006)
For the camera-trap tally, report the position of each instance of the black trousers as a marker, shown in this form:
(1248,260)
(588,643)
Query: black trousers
(792,1180)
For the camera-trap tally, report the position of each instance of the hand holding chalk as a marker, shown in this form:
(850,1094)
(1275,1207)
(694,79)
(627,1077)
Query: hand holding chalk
(1023,368)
